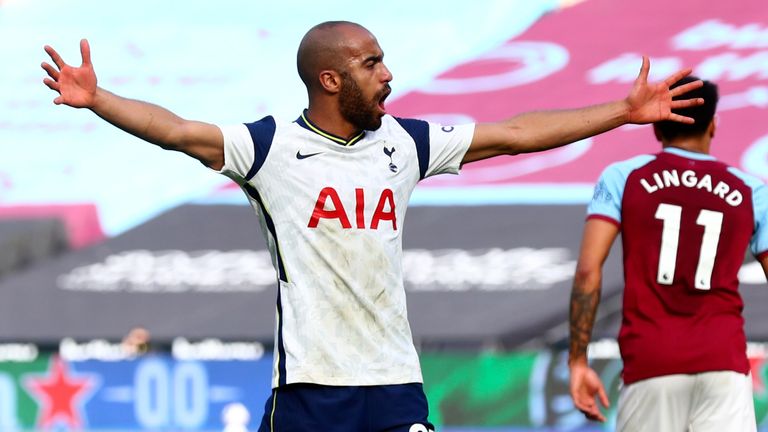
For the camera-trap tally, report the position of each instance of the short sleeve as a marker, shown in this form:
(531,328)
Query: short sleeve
(238,151)
(759,244)
(246,147)
(440,149)
(606,199)
(448,145)
(609,190)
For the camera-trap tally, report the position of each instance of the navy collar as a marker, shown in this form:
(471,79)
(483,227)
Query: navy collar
(307,124)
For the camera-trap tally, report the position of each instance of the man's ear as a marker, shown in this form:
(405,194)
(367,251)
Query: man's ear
(330,81)
(712,126)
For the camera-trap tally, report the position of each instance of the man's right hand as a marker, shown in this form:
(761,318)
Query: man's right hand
(586,387)
(77,88)
(76,85)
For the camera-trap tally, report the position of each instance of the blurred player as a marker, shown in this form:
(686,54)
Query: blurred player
(330,190)
(136,342)
(686,221)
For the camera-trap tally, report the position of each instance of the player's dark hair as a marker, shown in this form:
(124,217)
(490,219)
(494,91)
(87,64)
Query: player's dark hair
(701,114)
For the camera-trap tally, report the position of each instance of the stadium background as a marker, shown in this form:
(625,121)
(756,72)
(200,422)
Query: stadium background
(101,233)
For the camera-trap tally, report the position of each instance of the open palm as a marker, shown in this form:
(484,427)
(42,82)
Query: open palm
(649,103)
(76,85)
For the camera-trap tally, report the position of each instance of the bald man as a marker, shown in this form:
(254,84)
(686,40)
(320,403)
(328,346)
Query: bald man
(330,190)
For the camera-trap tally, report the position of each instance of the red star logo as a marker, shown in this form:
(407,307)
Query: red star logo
(756,366)
(59,394)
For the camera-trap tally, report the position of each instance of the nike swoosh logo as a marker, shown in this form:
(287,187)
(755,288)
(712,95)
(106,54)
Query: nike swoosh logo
(304,156)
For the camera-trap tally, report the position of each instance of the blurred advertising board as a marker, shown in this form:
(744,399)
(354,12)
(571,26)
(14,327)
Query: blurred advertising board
(511,391)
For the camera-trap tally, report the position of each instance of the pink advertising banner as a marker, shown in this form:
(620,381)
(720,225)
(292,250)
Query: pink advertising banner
(591,53)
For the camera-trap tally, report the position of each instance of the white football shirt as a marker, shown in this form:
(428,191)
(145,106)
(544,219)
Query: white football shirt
(332,212)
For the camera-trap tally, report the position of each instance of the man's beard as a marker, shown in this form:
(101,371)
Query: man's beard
(354,108)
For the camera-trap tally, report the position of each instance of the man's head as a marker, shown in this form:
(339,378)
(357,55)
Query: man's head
(341,62)
(703,115)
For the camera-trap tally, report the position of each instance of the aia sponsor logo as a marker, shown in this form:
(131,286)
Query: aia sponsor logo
(330,206)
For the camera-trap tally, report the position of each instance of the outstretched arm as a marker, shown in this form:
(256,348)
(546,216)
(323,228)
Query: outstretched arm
(764,263)
(585,384)
(537,131)
(77,87)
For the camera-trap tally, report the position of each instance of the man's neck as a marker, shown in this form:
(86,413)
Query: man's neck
(691,144)
(331,121)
